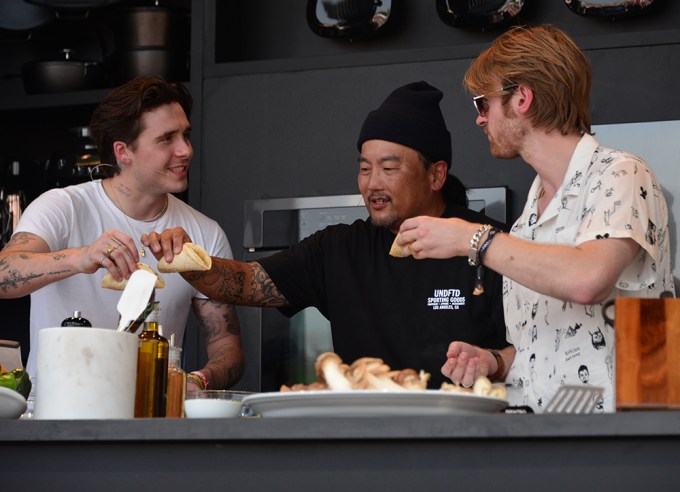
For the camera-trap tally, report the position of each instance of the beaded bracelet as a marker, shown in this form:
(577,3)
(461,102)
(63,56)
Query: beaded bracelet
(200,379)
(474,243)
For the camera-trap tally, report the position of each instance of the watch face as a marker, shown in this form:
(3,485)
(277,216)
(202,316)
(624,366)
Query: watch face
(478,14)
(347,19)
(608,8)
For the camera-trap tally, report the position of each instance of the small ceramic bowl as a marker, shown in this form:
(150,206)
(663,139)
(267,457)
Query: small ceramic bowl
(213,404)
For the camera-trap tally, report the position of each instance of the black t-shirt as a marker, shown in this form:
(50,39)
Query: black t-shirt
(402,310)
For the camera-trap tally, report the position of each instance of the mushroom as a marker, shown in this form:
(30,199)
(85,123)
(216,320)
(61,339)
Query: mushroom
(481,386)
(410,379)
(331,370)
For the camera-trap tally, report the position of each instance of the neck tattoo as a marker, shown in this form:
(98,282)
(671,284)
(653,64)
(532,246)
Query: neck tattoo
(114,197)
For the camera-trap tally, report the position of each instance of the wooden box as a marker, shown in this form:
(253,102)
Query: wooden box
(647,353)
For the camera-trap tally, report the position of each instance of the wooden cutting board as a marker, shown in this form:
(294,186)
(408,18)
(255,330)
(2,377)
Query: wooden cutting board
(647,353)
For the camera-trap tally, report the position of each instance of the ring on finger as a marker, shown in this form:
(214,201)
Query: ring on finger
(101,262)
(110,249)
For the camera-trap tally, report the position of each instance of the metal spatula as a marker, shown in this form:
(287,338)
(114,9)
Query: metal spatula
(135,297)
(574,399)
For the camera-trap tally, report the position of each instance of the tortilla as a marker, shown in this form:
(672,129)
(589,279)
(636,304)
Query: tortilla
(192,258)
(108,282)
(399,251)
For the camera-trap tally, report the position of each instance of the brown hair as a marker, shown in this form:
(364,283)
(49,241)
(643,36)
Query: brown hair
(117,118)
(546,60)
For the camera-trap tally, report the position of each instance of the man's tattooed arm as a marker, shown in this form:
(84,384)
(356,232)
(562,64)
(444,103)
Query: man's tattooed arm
(221,331)
(26,265)
(234,282)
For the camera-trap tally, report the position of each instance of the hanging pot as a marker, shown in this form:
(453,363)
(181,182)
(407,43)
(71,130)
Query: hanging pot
(484,14)
(151,27)
(41,77)
(73,4)
(17,15)
(608,8)
(172,65)
(347,19)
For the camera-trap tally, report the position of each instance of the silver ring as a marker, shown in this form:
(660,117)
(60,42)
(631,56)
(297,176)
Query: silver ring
(101,262)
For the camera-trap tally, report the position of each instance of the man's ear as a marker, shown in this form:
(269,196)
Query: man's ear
(438,172)
(524,97)
(120,150)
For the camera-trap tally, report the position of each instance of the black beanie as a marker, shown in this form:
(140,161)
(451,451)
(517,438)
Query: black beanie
(411,116)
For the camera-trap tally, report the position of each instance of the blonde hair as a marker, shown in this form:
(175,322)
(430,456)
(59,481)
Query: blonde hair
(546,60)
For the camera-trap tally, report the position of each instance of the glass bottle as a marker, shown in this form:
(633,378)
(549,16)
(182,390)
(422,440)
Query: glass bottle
(76,320)
(177,382)
(152,369)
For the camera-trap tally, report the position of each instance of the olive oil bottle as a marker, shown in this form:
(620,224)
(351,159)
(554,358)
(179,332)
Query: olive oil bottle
(177,382)
(152,369)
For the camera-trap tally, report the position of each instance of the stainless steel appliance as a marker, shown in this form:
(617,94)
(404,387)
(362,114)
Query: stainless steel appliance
(282,350)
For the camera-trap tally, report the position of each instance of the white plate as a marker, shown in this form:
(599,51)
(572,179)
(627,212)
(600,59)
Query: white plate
(12,404)
(368,403)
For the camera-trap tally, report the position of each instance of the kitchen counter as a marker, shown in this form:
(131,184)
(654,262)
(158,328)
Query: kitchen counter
(623,451)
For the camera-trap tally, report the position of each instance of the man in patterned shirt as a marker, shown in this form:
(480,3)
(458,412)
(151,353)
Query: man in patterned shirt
(594,227)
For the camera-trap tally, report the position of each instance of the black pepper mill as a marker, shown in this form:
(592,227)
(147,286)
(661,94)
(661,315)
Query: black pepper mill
(76,320)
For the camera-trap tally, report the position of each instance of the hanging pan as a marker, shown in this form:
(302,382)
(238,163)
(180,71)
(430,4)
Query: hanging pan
(17,15)
(608,8)
(482,14)
(347,19)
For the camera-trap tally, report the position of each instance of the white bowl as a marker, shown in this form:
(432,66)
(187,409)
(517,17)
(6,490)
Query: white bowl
(213,404)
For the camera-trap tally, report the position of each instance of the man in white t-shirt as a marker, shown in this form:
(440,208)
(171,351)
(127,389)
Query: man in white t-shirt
(594,227)
(69,238)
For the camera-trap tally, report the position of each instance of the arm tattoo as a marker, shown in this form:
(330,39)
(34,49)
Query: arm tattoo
(245,284)
(263,291)
(13,279)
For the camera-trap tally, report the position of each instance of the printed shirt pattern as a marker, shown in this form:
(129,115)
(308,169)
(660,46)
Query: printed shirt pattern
(606,193)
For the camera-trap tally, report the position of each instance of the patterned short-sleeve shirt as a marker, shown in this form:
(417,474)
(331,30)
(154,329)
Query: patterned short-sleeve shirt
(606,193)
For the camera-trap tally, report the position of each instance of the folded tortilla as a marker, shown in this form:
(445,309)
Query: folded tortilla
(108,282)
(399,251)
(192,258)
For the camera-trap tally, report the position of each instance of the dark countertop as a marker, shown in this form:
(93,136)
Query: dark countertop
(622,451)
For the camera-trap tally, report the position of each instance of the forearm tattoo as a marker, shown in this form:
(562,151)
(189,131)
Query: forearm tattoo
(236,283)
(11,278)
(262,289)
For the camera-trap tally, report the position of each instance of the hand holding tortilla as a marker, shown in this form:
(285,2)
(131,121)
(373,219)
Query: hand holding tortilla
(192,258)
(108,282)
(400,251)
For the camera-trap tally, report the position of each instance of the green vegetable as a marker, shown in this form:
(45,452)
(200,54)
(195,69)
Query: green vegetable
(16,380)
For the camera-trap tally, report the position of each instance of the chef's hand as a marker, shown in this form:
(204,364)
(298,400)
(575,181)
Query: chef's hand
(464,363)
(114,251)
(166,244)
(432,237)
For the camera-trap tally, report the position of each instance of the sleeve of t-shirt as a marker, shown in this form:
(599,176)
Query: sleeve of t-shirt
(48,217)
(629,204)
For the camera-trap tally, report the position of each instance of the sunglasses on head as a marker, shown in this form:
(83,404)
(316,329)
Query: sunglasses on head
(481,102)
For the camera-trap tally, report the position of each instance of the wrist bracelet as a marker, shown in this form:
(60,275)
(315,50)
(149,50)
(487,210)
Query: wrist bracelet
(473,259)
(492,232)
(496,376)
(200,378)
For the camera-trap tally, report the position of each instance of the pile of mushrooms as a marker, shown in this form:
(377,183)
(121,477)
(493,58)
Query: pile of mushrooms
(371,373)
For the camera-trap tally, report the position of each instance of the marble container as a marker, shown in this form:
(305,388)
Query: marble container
(85,373)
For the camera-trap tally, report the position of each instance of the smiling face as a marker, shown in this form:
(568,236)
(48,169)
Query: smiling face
(395,184)
(161,154)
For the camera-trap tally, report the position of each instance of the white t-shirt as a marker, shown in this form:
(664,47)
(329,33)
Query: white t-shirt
(76,216)
(605,193)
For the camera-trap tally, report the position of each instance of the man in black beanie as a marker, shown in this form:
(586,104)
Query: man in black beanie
(403,311)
